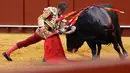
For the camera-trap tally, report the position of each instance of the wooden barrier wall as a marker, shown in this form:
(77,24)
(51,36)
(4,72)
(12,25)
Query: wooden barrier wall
(25,12)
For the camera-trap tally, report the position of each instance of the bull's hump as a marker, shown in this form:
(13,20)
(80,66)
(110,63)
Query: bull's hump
(99,15)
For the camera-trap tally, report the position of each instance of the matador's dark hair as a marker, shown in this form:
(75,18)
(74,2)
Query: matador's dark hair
(62,5)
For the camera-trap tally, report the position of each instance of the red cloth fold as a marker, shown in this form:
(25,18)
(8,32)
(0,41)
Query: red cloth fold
(53,49)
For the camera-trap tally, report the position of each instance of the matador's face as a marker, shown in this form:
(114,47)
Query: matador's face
(60,10)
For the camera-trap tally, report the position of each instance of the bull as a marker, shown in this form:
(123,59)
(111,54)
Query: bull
(97,26)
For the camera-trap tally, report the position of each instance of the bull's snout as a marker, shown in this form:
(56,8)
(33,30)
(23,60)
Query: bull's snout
(72,50)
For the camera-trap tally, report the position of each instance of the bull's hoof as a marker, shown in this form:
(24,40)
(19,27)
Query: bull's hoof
(6,56)
(98,57)
(94,58)
(125,54)
(122,57)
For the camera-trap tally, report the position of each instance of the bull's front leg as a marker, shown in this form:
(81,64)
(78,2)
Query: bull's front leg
(99,50)
(92,46)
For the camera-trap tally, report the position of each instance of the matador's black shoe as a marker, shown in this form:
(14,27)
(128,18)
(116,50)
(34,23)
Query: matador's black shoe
(6,56)
(43,60)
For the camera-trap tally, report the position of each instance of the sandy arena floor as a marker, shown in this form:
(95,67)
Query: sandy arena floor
(31,57)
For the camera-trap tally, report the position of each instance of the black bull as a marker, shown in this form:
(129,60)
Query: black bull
(96,26)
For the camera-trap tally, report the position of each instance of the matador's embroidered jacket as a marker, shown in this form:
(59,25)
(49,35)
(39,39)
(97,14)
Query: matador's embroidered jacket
(47,22)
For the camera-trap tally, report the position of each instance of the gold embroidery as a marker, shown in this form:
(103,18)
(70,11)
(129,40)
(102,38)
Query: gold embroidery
(43,22)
